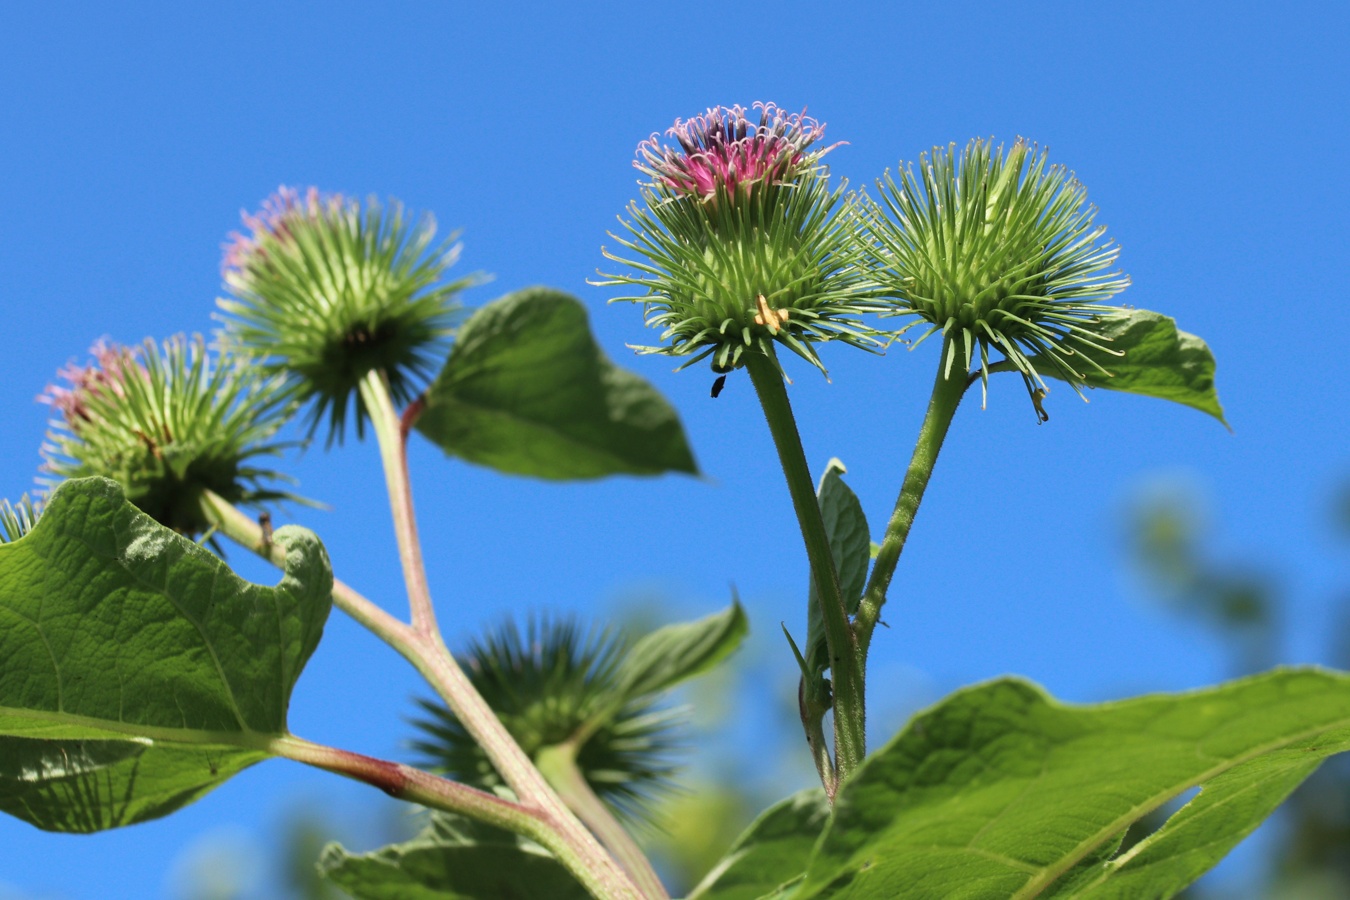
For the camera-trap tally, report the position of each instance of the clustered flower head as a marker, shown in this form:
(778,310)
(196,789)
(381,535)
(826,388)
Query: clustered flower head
(997,249)
(168,422)
(721,151)
(553,684)
(739,242)
(328,290)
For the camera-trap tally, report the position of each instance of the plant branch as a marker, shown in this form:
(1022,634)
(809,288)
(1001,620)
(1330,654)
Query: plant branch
(392,438)
(428,654)
(416,786)
(948,389)
(845,659)
(559,765)
(235,524)
(407,783)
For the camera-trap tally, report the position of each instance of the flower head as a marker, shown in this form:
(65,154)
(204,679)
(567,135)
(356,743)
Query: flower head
(739,242)
(556,683)
(168,422)
(723,151)
(997,250)
(326,290)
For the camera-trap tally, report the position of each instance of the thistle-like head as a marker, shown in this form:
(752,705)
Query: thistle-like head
(996,249)
(738,242)
(168,422)
(555,684)
(325,290)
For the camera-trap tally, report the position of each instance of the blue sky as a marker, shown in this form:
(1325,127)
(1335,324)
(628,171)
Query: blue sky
(1211,136)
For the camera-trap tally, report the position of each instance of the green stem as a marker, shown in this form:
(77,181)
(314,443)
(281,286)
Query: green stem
(559,765)
(845,658)
(416,786)
(232,522)
(407,783)
(394,455)
(566,837)
(948,389)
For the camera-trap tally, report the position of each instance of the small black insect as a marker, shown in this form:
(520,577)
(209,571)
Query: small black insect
(718,385)
(265,523)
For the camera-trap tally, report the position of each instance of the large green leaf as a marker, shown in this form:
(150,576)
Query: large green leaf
(771,854)
(675,653)
(999,791)
(851,547)
(136,670)
(452,859)
(527,391)
(1159,361)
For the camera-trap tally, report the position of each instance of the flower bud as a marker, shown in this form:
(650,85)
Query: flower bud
(996,250)
(326,290)
(168,422)
(553,684)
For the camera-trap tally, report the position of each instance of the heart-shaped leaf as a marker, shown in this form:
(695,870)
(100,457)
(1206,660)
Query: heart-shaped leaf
(527,391)
(137,671)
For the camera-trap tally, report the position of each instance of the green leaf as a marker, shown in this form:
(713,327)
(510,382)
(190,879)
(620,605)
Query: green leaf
(999,791)
(851,547)
(772,853)
(1159,361)
(452,859)
(137,671)
(527,391)
(675,653)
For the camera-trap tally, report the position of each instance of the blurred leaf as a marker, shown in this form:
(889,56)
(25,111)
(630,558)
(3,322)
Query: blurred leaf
(675,653)
(772,853)
(1159,361)
(452,859)
(851,547)
(137,671)
(1000,791)
(527,391)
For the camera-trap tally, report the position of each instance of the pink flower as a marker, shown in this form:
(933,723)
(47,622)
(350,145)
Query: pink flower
(723,150)
(105,377)
(275,220)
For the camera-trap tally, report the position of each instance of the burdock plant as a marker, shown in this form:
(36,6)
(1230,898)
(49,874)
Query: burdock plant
(137,672)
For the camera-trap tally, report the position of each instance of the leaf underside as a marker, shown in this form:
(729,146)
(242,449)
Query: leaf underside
(999,791)
(527,391)
(452,859)
(137,671)
(1158,361)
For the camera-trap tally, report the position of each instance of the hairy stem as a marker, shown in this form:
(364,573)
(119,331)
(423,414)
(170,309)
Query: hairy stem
(559,765)
(236,525)
(566,837)
(845,658)
(416,786)
(948,389)
(407,783)
(393,443)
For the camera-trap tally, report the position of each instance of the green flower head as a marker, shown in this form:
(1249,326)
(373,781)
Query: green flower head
(739,242)
(327,290)
(556,684)
(996,250)
(168,422)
